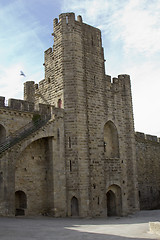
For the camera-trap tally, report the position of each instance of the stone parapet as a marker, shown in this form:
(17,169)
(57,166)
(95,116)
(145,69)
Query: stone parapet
(146,137)
(26,106)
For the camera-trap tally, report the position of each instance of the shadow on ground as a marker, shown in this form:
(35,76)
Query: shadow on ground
(134,227)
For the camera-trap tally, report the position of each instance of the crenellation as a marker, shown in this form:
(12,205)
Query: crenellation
(146,137)
(79,18)
(22,106)
(2,101)
(48,51)
(140,135)
(151,138)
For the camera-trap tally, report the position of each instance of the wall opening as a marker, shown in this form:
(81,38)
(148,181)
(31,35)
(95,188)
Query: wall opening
(70,166)
(92,41)
(114,201)
(20,203)
(74,207)
(111,204)
(69,142)
(2,134)
(111,142)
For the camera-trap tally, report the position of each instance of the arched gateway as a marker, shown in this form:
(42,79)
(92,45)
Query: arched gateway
(114,201)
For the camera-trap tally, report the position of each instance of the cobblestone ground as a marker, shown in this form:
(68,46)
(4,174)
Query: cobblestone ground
(132,227)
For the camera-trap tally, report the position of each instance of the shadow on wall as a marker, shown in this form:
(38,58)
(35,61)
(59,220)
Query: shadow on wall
(2,134)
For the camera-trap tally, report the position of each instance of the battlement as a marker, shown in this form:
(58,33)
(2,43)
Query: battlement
(67,18)
(147,137)
(121,78)
(26,106)
(120,83)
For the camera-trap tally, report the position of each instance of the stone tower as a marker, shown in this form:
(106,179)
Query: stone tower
(80,160)
(99,128)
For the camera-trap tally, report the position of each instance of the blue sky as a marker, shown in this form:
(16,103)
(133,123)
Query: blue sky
(130,36)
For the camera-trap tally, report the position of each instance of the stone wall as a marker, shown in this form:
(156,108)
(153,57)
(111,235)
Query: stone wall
(32,175)
(36,167)
(148,164)
(19,113)
(75,74)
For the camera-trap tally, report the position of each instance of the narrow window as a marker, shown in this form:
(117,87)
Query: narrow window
(70,166)
(49,80)
(58,135)
(92,40)
(69,142)
(104,144)
(98,200)
(94,81)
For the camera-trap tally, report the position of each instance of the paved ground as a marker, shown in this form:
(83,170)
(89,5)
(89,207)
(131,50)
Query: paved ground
(45,228)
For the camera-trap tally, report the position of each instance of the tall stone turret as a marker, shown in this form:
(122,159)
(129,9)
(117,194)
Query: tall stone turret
(98,122)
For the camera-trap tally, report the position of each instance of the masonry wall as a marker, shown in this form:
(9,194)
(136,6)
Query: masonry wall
(37,168)
(148,164)
(32,175)
(12,117)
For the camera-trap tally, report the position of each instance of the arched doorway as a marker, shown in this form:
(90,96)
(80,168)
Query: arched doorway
(74,207)
(20,203)
(111,142)
(2,134)
(111,204)
(114,201)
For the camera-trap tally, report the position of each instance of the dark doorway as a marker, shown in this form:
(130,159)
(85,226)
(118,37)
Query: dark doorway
(111,204)
(20,203)
(74,207)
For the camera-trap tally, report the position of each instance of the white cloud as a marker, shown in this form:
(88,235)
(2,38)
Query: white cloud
(140,26)
(145,91)
(11,83)
(136,22)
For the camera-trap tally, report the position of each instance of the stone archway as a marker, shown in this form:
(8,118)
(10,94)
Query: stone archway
(74,207)
(114,201)
(20,203)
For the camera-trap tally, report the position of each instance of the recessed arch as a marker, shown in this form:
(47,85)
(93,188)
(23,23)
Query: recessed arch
(111,142)
(114,201)
(2,133)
